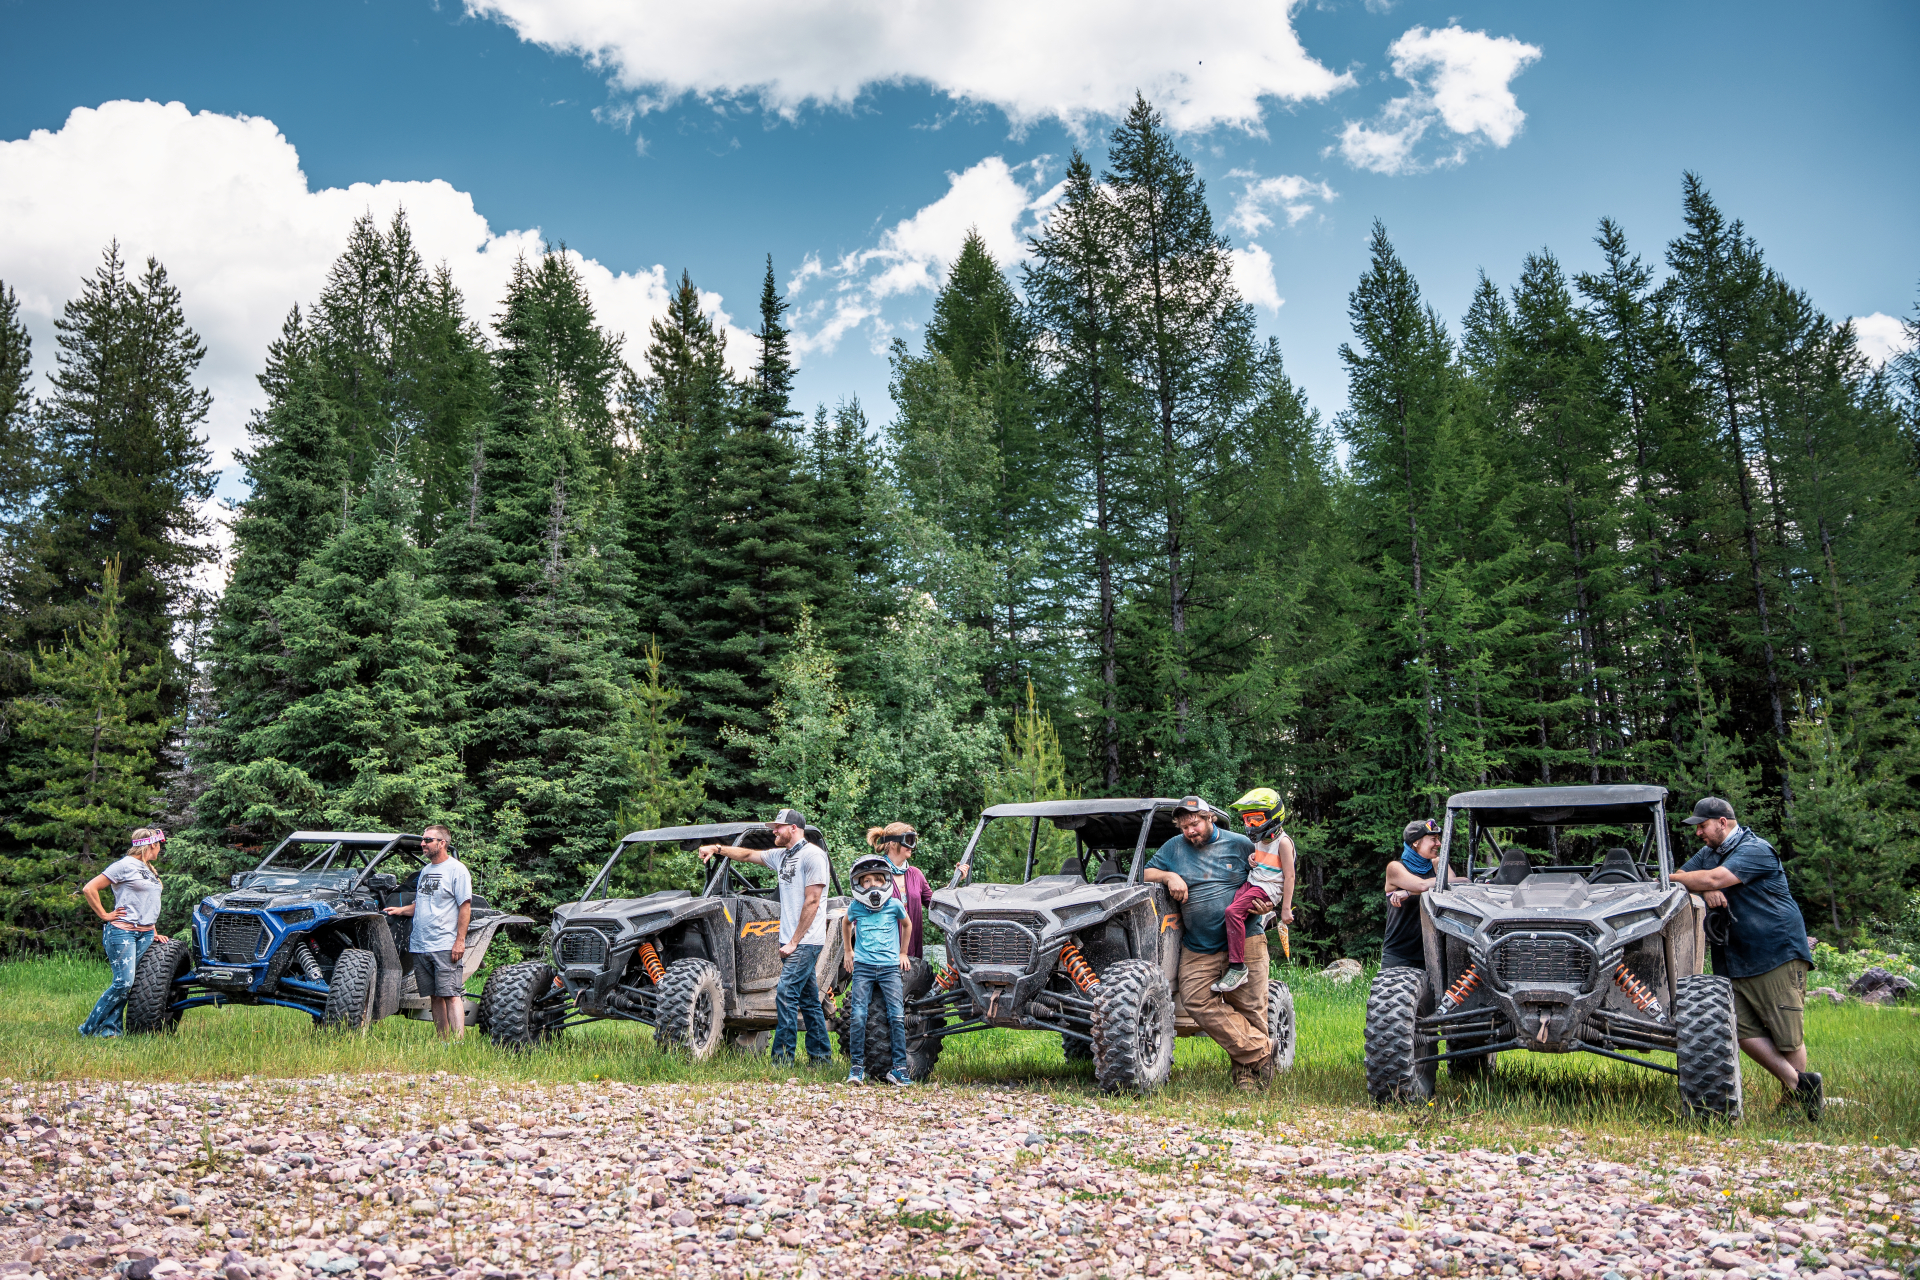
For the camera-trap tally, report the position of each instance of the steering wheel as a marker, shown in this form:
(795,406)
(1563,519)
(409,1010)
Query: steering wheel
(1113,877)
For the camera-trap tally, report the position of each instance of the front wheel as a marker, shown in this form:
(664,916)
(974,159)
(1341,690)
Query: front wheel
(1707,1049)
(1280,1027)
(522,1005)
(1132,1028)
(150,1003)
(690,1009)
(351,990)
(1394,1044)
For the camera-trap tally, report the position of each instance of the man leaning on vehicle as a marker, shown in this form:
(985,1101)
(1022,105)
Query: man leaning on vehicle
(1767,953)
(1203,867)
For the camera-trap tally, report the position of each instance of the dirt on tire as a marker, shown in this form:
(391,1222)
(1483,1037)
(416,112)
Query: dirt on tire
(149,1003)
(1393,1006)
(1708,1053)
(1132,1028)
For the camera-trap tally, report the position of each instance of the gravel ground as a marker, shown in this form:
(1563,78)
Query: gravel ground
(402,1177)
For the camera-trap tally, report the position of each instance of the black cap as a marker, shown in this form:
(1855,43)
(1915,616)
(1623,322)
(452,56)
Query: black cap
(1419,827)
(1709,807)
(1192,804)
(792,817)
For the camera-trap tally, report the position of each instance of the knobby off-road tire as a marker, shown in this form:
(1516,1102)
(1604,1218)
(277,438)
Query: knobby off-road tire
(1708,1053)
(690,1009)
(150,1003)
(1280,1026)
(351,991)
(1074,1049)
(1394,1005)
(519,1005)
(1132,1028)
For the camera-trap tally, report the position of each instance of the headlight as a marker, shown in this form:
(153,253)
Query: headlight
(1077,917)
(1628,919)
(1464,919)
(942,915)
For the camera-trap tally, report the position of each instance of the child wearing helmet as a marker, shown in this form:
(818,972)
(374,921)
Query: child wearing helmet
(1269,883)
(875,934)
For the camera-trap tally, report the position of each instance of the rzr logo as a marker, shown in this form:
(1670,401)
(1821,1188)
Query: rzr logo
(756,928)
(1171,919)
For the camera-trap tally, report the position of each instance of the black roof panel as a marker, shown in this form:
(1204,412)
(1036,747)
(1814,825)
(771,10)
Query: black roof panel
(1558,806)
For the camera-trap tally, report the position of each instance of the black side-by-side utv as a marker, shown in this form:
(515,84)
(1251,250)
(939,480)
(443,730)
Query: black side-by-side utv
(1603,957)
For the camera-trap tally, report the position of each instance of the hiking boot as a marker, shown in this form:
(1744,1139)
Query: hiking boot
(1232,980)
(1811,1093)
(1246,1079)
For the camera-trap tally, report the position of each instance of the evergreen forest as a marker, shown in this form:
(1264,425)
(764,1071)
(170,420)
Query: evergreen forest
(497,566)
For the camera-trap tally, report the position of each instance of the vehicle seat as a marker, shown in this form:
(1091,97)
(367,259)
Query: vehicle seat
(1615,867)
(1513,868)
(1110,871)
(1073,866)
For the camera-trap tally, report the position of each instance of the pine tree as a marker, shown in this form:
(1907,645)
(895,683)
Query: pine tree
(771,397)
(86,738)
(662,793)
(1033,766)
(17,472)
(125,471)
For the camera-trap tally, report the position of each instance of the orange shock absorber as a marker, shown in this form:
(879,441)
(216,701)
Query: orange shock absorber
(1637,991)
(949,979)
(1462,988)
(650,961)
(1077,967)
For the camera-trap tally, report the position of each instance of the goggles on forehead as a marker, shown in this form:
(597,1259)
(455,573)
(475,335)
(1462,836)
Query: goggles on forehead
(158,837)
(906,839)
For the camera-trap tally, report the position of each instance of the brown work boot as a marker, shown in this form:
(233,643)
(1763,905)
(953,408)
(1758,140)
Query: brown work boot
(1246,1078)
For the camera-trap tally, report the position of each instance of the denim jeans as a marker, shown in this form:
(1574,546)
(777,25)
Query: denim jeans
(797,997)
(884,978)
(124,949)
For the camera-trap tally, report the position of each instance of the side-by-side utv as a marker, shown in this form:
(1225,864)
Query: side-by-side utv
(697,965)
(1087,950)
(306,930)
(1601,957)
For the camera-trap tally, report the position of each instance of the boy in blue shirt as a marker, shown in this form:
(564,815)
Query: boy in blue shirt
(875,933)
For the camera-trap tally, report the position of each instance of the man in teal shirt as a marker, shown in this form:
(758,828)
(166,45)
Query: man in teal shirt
(1202,868)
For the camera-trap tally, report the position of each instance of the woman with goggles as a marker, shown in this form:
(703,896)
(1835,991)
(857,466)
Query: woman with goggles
(895,842)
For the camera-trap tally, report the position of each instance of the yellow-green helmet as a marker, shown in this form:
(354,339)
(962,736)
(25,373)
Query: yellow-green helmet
(1262,800)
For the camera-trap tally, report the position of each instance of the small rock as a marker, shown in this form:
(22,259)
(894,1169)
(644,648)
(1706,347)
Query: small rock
(235,1271)
(682,1218)
(1343,970)
(793,1239)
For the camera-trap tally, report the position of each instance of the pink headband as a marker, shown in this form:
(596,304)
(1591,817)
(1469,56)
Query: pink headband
(144,841)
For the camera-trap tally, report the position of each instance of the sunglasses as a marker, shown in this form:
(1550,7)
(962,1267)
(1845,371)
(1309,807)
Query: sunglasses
(909,840)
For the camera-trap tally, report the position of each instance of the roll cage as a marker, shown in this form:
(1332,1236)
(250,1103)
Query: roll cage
(1098,826)
(728,876)
(1609,805)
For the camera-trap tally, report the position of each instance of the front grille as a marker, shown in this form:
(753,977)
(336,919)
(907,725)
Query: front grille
(581,947)
(1001,944)
(245,900)
(1544,960)
(238,937)
(299,915)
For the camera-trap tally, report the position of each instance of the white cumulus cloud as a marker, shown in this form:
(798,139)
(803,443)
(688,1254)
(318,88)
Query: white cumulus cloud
(1069,60)
(1880,336)
(1253,276)
(1462,80)
(222,202)
(992,197)
(1294,195)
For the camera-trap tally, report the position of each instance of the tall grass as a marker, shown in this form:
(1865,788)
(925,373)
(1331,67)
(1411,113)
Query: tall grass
(1870,1057)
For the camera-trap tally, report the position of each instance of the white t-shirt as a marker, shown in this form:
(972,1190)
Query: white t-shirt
(436,904)
(135,887)
(799,866)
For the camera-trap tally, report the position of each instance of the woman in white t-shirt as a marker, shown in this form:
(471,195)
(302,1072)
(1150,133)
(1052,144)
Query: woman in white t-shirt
(129,928)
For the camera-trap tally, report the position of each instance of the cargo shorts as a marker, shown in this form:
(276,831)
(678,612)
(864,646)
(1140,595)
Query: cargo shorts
(436,974)
(1772,1005)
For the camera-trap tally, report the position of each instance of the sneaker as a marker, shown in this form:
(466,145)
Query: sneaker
(899,1078)
(857,1076)
(1812,1094)
(1232,980)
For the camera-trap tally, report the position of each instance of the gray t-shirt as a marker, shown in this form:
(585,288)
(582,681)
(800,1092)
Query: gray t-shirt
(137,888)
(803,864)
(436,904)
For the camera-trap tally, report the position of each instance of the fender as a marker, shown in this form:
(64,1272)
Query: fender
(377,937)
(479,938)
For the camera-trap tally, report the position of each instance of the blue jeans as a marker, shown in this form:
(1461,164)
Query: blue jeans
(124,949)
(798,996)
(884,978)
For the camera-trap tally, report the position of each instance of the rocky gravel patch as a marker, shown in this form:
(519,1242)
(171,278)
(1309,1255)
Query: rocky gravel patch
(402,1177)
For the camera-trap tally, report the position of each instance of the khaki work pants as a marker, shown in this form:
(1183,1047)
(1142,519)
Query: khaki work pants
(1237,1021)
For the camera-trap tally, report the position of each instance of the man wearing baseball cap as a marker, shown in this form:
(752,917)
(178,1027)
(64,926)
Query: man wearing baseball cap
(1766,951)
(801,867)
(1408,876)
(1203,868)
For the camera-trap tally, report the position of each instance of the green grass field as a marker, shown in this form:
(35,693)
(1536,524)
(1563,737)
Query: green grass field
(1870,1057)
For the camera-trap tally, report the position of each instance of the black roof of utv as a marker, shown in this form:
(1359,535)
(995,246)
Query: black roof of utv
(1554,806)
(1102,824)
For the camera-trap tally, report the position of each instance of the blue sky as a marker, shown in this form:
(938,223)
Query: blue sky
(863,138)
